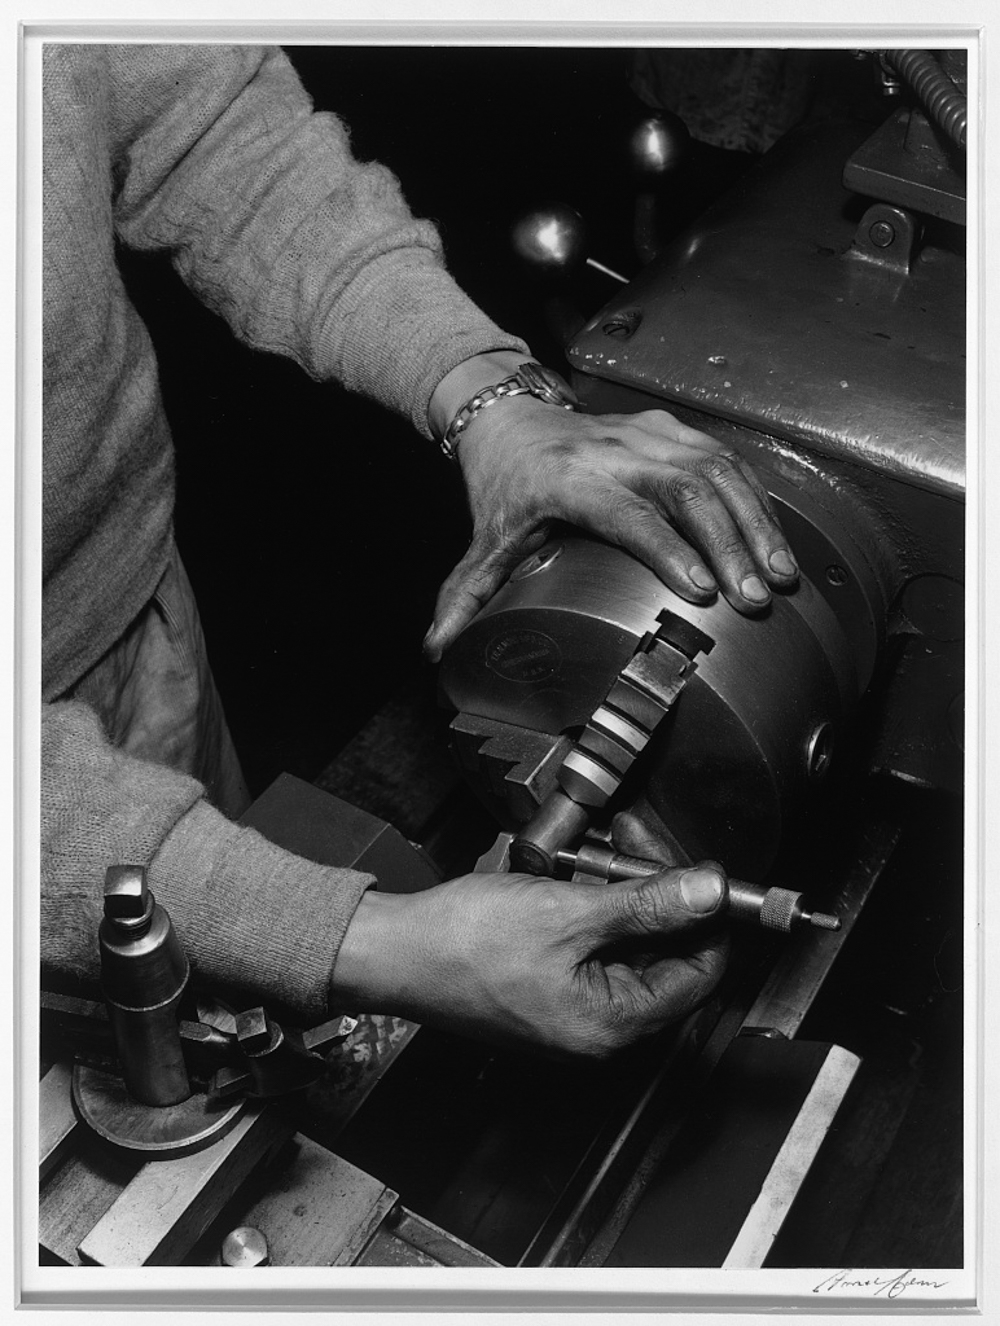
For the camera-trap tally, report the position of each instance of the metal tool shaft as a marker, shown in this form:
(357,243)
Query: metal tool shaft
(143,975)
(772,908)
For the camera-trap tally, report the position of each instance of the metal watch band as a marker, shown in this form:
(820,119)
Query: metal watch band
(531,379)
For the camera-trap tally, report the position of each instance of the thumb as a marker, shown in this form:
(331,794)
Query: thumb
(668,902)
(471,585)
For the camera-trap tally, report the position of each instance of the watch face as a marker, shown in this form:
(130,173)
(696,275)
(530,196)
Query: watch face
(548,385)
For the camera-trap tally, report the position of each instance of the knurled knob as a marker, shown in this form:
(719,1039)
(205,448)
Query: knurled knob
(779,908)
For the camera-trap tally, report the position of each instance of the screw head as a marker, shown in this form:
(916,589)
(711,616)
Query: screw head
(622,325)
(836,575)
(126,893)
(882,234)
(245,1248)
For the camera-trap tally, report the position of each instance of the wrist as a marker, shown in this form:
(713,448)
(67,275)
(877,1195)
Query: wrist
(464,380)
(527,380)
(368,968)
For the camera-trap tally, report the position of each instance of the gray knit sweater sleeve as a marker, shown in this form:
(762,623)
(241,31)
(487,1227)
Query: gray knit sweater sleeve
(253,919)
(305,251)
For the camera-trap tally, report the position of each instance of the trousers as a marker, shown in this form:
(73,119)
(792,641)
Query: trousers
(156,697)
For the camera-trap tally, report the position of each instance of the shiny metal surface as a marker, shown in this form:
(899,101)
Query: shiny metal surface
(144,973)
(553,238)
(658,144)
(618,731)
(753,904)
(903,163)
(544,651)
(165,1132)
(557,822)
(737,745)
(245,1248)
(757,315)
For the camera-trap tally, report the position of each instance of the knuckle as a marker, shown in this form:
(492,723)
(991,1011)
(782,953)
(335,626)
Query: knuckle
(707,443)
(623,510)
(558,448)
(720,470)
(752,514)
(643,905)
(613,1032)
(760,521)
(547,899)
(728,544)
(686,490)
(629,1020)
(656,417)
(595,1034)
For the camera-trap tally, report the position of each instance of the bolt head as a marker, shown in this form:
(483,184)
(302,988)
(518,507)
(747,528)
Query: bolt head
(882,234)
(126,893)
(244,1248)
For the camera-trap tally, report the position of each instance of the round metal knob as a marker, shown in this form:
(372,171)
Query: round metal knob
(658,144)
(244,1248)
(553,238)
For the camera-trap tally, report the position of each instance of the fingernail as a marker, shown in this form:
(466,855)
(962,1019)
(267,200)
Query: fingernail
(702,577)
(701,889)
(754,589)
(783,562)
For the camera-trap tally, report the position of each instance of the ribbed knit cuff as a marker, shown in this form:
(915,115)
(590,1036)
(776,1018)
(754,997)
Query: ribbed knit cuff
(265,923)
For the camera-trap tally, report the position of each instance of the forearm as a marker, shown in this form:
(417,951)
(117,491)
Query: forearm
(305,251)
(252,918)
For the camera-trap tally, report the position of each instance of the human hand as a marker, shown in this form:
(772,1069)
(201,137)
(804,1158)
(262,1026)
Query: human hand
(640,832)
(678,500)
(572,969)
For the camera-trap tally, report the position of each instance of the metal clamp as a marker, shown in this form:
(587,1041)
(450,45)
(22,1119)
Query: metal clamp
(618,731)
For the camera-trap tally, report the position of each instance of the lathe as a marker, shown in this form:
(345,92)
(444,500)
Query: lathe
(814,320)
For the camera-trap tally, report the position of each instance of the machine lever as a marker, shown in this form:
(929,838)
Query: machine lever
(772,908)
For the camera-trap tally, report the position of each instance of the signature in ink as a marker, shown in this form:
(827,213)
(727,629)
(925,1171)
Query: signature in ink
(884,1286)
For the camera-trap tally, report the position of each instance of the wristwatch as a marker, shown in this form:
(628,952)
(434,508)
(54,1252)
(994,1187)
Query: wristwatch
(529,379)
